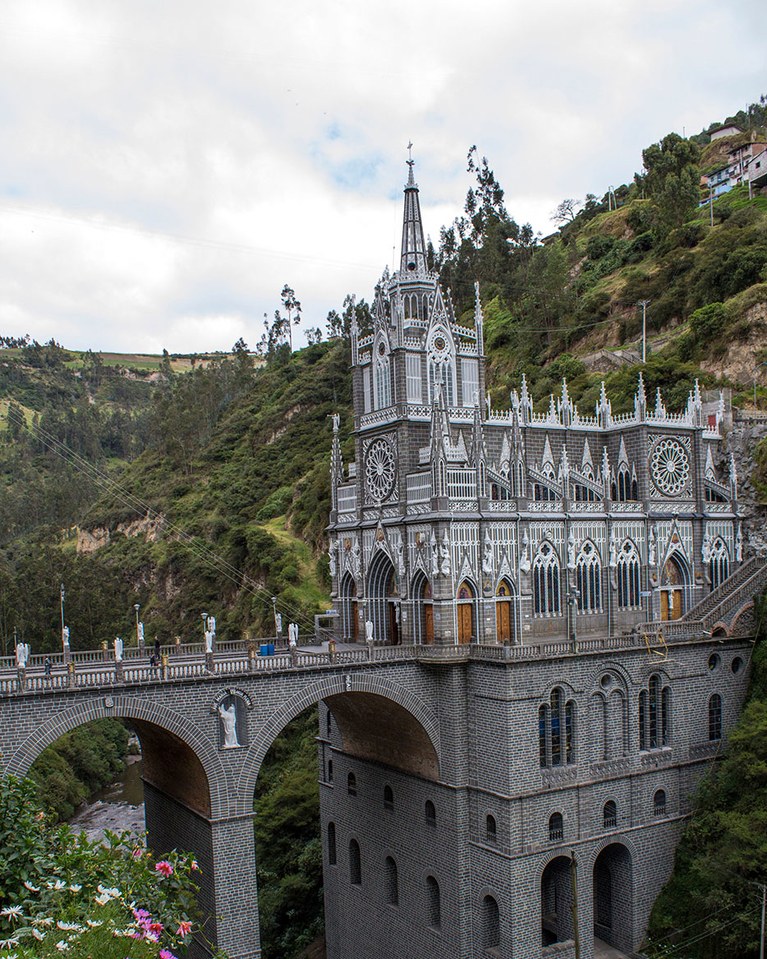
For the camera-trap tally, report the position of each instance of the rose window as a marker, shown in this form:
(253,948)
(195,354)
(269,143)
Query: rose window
(379,469)
(670,467)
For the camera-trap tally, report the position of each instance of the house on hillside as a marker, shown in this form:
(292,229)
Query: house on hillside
(737,170)
(727,131)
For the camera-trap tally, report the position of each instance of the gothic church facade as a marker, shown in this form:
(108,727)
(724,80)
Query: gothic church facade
(537,556)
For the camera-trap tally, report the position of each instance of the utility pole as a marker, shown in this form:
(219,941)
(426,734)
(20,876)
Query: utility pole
(644,304)
(764,904)
(574,881)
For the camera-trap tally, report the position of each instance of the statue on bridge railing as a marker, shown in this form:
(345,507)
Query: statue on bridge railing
(293,635)
(228,716)
(65,637)
(118,649)
(210,634)
(22,655)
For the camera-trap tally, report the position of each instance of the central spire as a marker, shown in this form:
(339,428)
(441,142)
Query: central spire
(413,259)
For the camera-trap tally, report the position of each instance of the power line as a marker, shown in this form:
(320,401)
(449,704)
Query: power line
(127,498)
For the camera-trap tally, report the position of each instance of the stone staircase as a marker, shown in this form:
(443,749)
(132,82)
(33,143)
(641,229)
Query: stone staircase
(736,592)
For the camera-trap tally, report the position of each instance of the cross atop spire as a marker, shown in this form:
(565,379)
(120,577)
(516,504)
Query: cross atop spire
(413,257)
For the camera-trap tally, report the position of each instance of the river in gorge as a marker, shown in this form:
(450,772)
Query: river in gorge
(117,808)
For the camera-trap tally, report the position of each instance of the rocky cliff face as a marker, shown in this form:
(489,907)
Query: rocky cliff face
(747,432)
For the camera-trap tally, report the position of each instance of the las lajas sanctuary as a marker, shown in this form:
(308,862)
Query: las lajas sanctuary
(564,573)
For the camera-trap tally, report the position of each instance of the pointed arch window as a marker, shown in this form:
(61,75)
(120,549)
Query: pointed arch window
(625,488)
(628,577)
(588,575)
(355,863)
(433,903)
(382,378)
(719,564)
(332,855)
(546,591)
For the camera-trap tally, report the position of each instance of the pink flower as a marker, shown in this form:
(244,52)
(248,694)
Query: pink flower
(166,954)
(184,928)
(138,852)
(195,867)
(164,867)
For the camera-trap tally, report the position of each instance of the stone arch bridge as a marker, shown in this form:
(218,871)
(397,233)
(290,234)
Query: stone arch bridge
(453,729)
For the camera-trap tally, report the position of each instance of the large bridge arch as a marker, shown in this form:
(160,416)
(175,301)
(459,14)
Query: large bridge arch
(358,703)
(198,765)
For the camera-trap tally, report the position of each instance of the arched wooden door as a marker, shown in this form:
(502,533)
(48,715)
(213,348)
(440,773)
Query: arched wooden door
(465,613)
(673,584)
(504,612)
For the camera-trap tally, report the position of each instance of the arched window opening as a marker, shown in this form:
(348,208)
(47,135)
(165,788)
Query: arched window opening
(424,610)
(391,882)
(628,577)
(546,593)
(543,493)
(348,597)
(351,784)
(659,803)
(491,923)
(610,815)
(330,770)
(332,856)
(430,813)
(715,718)
(355,863)
(719,564)
(491,833)
(388,797)
(433,903)
(556,827)
(556,730)
(588,573)
(654,715)
(674,582)
(504,612)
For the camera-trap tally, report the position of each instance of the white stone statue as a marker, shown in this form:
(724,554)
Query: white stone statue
(293,635)
(22,655)
(332,559)
(140,634)
(706,549)
(444,556)
(401,559)
(278,623)
(571,550)
(739,545)
(209,634)
(336,418)
(369,630)
(65,635)
(487,556)
(434,555)
(212,625)
(118,649)
(356,558)
(651,548)
(613,553)
(228,716)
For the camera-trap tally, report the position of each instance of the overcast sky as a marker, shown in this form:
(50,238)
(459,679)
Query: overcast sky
(166,166)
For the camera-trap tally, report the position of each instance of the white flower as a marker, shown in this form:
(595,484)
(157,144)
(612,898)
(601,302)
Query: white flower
(14,911)
(69,926)
(103,899)
(58,884)
(95,923)
(62,946)
(31,888)
(7,943)
(38,935)
(75,887)
(43,921)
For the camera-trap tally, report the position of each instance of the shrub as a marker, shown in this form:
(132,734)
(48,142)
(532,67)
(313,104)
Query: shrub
(708,323)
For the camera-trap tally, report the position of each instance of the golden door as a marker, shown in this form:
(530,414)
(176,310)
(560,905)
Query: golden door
(428,625)
(503,621)
(670,604)
(464,622)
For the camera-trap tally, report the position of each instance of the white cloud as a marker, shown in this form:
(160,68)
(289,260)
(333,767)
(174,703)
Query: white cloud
(168,167)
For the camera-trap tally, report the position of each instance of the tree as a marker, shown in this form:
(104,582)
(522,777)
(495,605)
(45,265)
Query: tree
(314,336)
(566,211)
(672,179)
(292,307)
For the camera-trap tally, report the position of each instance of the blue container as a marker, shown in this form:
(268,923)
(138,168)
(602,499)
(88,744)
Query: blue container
(264,650)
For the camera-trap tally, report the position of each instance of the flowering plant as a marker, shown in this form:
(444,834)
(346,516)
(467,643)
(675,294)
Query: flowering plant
(66,896)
